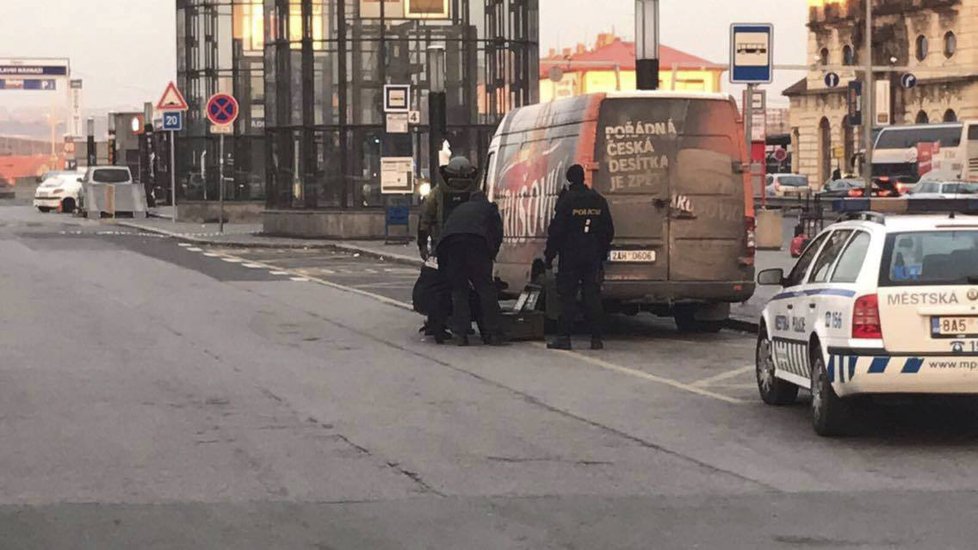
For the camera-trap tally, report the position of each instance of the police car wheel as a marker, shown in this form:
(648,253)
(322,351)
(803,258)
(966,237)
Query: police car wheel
(773,390)
(831,415)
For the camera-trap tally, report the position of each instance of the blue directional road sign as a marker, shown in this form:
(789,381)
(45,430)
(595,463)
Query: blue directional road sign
(832,80)
(751,53)
(173,121)
(44,85)
(908,81)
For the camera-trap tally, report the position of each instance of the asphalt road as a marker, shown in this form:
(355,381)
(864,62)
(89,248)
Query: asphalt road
(154,395)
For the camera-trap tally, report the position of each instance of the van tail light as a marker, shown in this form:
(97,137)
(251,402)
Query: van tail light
(750,239)
(856,192)
(751,226)
(866,318)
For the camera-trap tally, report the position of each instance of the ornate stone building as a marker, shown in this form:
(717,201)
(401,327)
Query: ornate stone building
(935,40)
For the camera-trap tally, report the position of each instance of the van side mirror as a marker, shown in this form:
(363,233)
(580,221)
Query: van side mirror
(771,277)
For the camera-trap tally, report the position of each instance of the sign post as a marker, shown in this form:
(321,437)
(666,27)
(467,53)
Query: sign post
(222,110)
(173,105)
(751,63)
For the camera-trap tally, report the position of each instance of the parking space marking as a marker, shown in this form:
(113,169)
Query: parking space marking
(593,361)
(211,255)
(723,376)
(232,260)
(253,266)
(194,249)
(649,377)
(184,245)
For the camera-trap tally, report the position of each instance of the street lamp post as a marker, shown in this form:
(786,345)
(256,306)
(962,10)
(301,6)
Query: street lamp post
(869,102)
(437,107)
(647,44)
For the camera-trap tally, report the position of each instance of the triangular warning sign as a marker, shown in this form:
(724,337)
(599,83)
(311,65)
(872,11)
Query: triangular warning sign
(172,100)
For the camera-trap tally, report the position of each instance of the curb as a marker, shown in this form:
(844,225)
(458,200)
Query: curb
(341,247)
(739,325)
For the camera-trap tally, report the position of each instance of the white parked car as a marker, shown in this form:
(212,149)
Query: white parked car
(787,185)
(944,190)
(60,191)
(877,305)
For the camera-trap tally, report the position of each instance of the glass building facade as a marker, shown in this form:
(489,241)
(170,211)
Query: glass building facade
(309,76)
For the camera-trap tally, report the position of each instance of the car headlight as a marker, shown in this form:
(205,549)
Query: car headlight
(424,189)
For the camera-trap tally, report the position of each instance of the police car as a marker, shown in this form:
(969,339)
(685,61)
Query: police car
(877,304)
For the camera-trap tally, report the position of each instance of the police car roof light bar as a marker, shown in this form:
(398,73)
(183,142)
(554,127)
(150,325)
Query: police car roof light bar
(906,206)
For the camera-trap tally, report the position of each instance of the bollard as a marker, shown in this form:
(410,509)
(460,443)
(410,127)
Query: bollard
(770,235)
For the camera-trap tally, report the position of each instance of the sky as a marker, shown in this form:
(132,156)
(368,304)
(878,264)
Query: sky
(125,49)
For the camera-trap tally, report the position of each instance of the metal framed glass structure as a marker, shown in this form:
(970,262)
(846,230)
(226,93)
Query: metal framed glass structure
(309,75)
(220,48)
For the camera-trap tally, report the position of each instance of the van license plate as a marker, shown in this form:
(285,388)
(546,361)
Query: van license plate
(633,256)
(953,327)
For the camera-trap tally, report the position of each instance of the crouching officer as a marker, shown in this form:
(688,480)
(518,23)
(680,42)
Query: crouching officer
(459,181)
(469,244)
(580,234)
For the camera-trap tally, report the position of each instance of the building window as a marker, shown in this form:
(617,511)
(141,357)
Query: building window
(950,44)
(950,116)
(922,48)
(848,55)
(922,118)
(823,56)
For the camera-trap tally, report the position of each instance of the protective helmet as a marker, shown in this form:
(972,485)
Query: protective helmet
(460,167)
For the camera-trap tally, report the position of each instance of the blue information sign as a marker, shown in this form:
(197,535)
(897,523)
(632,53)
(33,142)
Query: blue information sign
(751,53)
(29,71)
(908,81)
(173,121)
(44,85)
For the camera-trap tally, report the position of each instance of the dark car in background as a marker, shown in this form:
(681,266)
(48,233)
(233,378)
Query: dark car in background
(6,188)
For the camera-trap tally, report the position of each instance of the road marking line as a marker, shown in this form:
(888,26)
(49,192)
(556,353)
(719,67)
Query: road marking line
(368,270)
(650,377)
(254,266)
(211,255)
(327,271)
(232,260)
(279,273)
(723,376)
(300,279)
(184,245)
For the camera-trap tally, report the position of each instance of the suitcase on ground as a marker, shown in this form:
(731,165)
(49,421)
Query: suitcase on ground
(524,323)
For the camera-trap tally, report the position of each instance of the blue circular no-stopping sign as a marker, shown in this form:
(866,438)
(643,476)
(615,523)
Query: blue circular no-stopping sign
(222,109)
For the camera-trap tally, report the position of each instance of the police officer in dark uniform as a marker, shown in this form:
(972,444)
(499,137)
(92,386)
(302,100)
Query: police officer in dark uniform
(580,234)
(469,244)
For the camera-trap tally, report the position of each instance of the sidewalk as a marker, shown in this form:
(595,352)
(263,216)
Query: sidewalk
(249,236)
(246,235)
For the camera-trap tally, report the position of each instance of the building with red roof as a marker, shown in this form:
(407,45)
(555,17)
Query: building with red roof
(610,66)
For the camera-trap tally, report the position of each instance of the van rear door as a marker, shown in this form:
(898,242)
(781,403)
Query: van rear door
(666,166)
(636,145)
(709,212)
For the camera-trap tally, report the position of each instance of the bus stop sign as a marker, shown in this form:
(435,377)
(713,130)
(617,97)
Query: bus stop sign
(751,53)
